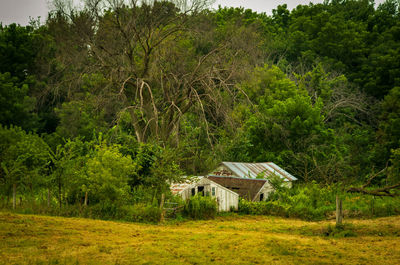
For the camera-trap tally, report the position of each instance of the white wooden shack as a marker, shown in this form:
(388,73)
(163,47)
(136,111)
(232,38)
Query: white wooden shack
(226,199)
(232,180)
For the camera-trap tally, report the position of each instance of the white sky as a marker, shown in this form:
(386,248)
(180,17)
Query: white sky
(19,11)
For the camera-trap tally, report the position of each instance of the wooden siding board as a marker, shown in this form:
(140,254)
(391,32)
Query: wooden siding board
(266,189)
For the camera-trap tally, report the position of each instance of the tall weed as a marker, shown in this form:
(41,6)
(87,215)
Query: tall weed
(201,207)
(314,202)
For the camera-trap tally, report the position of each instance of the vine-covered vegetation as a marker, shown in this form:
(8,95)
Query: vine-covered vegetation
(104,105)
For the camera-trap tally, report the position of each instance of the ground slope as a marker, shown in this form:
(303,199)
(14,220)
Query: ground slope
(29,239)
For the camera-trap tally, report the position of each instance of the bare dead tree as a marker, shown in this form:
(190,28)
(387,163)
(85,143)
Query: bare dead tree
(340,98)
(344,98)
(139,47)
(388,190)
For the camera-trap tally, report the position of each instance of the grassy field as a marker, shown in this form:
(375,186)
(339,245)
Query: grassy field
(29,239)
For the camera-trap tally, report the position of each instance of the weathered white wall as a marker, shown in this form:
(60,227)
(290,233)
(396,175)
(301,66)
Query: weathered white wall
(226,198)
(266,190)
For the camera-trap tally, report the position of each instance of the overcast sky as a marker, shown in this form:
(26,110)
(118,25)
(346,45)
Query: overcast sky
(19,11)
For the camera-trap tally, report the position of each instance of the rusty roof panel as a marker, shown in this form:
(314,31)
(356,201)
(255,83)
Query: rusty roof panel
(252,170)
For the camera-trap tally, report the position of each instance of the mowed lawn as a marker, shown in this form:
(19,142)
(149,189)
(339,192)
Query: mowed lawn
(30,239)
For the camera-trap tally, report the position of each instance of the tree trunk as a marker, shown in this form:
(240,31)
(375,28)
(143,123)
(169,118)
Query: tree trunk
(14,196)
(162,208)
(339,211)
(8,198)
(48,198)
(64,197)
(31,196)
(86,198)
(373,206)
(59,193)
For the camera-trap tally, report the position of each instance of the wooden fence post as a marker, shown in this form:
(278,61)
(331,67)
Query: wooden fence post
(14,196)
(86,198)
(162,208)
(48,198)
(339,211)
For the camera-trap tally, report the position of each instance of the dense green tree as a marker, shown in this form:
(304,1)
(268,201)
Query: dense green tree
(16,106)
(80,119)
(106,176)
(388,133)
(156,167)
(24,159)
(18,50)
(25,56)
(350,37)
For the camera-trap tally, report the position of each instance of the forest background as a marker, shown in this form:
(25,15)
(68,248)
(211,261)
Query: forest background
(103,105)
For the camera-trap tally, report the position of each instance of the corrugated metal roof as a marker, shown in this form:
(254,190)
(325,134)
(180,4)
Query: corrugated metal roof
(252,170)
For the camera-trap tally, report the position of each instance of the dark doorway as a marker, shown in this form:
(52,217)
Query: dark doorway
(261,197)
(200,189)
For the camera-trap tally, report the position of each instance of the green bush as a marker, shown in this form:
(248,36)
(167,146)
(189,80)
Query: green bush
(309,202)
(371,206)
(201,207)
(314,202)
(142,212)
(104,210)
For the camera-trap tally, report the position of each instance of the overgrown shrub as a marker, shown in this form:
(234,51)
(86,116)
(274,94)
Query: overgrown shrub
(142,212)
(370,206)
(309,202)
(104,210)
(201,207)
(314,202)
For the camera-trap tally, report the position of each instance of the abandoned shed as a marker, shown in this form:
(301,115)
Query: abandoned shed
(232,180)
(226,198)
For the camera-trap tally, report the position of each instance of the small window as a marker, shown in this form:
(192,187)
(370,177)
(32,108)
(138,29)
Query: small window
(193,191)
(213,191)
(261,197)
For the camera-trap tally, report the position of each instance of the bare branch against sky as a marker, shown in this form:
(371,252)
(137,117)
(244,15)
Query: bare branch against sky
(19,11)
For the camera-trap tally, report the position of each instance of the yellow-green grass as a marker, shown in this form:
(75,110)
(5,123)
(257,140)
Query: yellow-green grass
(30,239)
